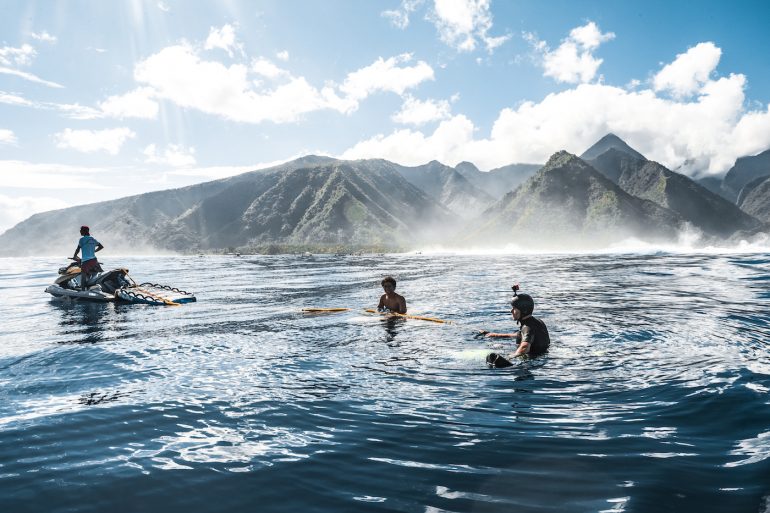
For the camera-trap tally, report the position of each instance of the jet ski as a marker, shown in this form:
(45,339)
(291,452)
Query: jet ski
(114,286)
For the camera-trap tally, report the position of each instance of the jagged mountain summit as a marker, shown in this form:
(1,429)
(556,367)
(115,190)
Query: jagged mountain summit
(499,181)
(610,141)
(568,203)
(447,186)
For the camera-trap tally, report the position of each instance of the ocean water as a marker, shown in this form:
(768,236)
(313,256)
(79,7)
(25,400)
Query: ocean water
(654,396)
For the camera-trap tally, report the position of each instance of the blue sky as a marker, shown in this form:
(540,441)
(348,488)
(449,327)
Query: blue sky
(99,100)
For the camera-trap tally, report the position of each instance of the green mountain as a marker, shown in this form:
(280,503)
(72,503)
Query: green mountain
(568,203)
(745,170)
(310,201)
(613,163)
(496,182)
(757,200)
(712,214)
(447,186)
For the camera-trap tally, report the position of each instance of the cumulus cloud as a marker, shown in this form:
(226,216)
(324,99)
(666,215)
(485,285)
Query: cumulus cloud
(711,129)
(400,17)
(17,56)
(448,143)
(138,103)
(13,210)
(419,112)
(163,6)
(573,61)
(7,136)
(175,155)
(386,75)
(179,74)
(92,141)
(283,55)
(463,24)
(223,38)
(265,68)
(43,36)
(690,71)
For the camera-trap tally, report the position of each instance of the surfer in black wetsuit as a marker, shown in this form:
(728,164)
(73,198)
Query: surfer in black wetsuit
(532,338)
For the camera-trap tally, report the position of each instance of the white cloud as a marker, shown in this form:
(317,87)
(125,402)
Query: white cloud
(223,38)
(74,111)
(712,129)
(92,141)
(7,136)
(13,99)
(174,155)
(283,55)
(418,112)
(43,36)
(178,73)
(386,75)
(462,24)
(573,61)
(29,76)
(400,17)
(690,71)
(17,56)
(163,6)
(135,104)
(267,69)
(447,144)
(15,210)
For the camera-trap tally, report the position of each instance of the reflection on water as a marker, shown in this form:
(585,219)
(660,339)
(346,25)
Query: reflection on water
(83,322)
(653,396)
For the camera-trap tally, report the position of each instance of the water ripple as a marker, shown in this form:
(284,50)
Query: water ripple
(653,397)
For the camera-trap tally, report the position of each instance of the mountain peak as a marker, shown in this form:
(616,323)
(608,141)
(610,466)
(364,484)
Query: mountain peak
(466,166)
(560,158)
(607,142)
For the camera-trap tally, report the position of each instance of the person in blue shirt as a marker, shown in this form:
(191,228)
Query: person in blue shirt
(88,263)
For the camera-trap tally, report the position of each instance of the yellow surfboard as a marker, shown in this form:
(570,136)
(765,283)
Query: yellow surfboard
(322,310)
(407,316)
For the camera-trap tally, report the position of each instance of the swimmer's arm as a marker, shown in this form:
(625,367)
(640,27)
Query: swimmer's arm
(524,338)
(381,304)
(522,349)
(402,305)
(501,335)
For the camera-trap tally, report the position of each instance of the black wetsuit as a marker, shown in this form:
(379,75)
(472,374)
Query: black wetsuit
(535,332)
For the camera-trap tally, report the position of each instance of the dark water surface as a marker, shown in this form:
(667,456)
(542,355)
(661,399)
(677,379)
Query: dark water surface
(654,396)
